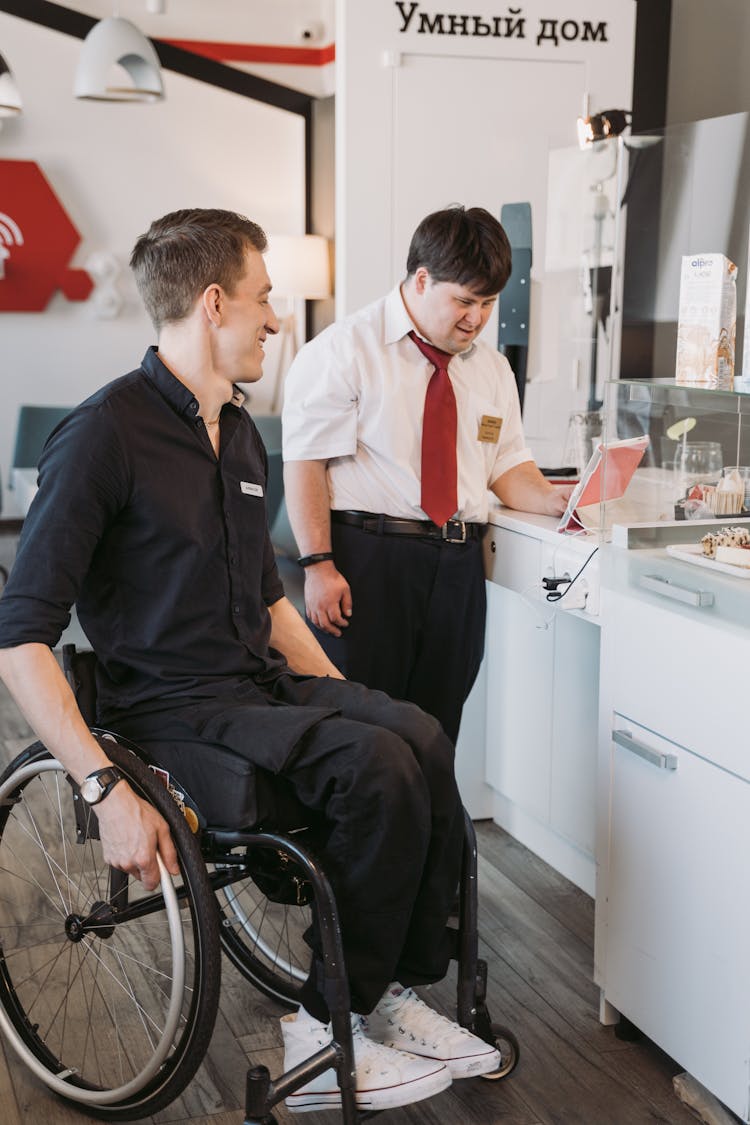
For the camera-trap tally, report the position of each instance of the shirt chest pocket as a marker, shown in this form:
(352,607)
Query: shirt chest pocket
(483,424)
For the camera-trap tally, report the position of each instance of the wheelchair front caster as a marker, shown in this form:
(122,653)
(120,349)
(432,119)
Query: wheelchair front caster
(507,1045)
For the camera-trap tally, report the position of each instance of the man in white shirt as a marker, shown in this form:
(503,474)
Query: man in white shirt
(396,599)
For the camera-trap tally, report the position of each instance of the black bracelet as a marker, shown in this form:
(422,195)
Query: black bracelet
(308,560)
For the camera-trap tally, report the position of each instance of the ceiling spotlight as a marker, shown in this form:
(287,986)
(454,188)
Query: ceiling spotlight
(599,126)
(10,98)
(116,42)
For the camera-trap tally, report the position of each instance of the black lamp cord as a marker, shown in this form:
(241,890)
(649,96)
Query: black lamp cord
(552,585)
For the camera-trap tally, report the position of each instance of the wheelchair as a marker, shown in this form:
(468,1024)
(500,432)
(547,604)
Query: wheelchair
(109,992)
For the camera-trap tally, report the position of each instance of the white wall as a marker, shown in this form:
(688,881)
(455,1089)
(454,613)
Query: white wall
(115,168)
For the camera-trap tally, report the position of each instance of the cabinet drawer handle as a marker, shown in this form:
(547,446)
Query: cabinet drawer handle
(668,589)
(662,761)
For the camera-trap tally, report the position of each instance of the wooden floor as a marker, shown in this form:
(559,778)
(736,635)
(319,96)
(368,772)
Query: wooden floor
(536,932)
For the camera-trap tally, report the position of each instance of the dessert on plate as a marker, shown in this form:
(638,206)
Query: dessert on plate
(727,538)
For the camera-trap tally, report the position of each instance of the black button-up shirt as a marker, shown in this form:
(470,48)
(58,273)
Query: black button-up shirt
(163,548)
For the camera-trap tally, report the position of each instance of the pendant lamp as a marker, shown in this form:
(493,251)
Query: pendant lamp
(115,41)
(10,99)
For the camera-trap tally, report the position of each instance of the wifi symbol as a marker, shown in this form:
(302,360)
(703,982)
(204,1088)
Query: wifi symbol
(10,235)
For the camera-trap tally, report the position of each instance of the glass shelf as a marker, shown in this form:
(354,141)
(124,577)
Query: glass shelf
(661,483)
(666,392)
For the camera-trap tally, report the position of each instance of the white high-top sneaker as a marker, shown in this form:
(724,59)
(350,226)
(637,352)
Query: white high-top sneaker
(403,1021)
(385,1078)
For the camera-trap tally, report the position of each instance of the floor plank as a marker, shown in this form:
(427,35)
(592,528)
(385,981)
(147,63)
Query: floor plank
(11,1114)
(568,904)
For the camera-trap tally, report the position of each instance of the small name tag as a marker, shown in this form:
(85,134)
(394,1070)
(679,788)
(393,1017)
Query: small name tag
(489,428)
(251,489)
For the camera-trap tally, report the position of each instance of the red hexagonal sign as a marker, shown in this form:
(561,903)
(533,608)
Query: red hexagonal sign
(37,241)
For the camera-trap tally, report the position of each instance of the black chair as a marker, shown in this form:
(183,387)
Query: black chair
(109,993)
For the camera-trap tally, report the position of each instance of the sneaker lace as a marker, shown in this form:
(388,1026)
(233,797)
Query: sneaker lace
(424,1022)
(371,1057)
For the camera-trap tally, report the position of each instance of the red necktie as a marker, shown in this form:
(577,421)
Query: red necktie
(439,464)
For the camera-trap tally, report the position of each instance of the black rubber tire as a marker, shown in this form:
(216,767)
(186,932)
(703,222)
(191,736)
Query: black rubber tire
(200,930)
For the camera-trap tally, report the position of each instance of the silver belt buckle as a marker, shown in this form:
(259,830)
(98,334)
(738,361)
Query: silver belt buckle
(447,534)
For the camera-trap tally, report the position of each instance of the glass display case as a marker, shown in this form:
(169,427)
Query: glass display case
(684,191)
(696,462)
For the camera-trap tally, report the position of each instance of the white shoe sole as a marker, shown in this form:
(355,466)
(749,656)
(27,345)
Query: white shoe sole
(467,1066)
(474,1064)
(405,1093)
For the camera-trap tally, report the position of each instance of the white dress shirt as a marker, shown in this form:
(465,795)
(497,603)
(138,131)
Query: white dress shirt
(354,397)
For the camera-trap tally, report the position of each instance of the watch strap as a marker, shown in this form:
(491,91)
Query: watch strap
(107,777)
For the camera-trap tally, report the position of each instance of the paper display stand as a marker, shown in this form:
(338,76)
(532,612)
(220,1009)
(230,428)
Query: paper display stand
(606,477)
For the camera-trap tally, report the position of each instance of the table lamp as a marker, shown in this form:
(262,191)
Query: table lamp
(299,269)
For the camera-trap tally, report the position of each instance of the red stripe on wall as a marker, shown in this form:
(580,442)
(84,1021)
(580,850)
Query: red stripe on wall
(258,52)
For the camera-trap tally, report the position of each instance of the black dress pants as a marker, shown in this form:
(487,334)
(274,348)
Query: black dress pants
(381,774)
(418,618)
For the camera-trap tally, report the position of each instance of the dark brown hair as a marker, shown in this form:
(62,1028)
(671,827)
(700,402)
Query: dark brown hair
(184,252)
(466,246)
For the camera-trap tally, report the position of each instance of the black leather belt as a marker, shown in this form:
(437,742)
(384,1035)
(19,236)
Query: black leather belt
(454,531)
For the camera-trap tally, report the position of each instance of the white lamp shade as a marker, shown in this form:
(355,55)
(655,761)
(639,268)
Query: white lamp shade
(10,99)
(115,41)
(299,266)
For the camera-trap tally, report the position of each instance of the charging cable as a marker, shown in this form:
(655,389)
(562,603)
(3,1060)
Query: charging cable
(552,585)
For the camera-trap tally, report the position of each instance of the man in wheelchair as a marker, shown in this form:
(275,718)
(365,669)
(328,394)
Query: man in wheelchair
(151,518)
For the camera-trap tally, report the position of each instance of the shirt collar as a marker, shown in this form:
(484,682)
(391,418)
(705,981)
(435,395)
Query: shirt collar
(398,323)
(180,398)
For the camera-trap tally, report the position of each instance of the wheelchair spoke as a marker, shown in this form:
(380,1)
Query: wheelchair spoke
(53,805)
(264,939)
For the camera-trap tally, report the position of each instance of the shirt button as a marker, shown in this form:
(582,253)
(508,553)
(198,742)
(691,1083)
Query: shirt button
(193,407)
(233,560)
(235,609)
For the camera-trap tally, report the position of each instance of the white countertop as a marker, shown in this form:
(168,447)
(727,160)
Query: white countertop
(543,528)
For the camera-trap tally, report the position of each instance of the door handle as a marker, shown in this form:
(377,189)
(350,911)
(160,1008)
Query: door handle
(662,761)
(668,589)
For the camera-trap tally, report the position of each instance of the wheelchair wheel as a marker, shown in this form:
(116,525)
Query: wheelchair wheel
(507,1045)
(108,992)
(264,939)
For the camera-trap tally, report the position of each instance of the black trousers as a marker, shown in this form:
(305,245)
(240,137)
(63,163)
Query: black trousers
(381,774)
(418,618)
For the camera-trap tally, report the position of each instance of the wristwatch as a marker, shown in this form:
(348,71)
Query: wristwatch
(99,784)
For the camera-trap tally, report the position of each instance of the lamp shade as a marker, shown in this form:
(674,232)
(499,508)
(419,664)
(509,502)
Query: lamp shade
(599,126)
(299,266)
(10,99)
(111,42)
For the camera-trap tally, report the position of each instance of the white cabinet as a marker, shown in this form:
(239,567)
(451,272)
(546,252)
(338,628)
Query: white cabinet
(673,896)
(470,751)
(542,667)
(519,719)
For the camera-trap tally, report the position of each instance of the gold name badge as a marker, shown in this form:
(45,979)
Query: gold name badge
(489,428)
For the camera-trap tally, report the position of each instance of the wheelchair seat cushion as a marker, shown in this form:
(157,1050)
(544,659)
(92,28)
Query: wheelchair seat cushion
(228,791)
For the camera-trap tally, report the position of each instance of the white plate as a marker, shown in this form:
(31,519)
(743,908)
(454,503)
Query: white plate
(693,553)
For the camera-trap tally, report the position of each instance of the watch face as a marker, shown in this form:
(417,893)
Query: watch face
(91,790)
